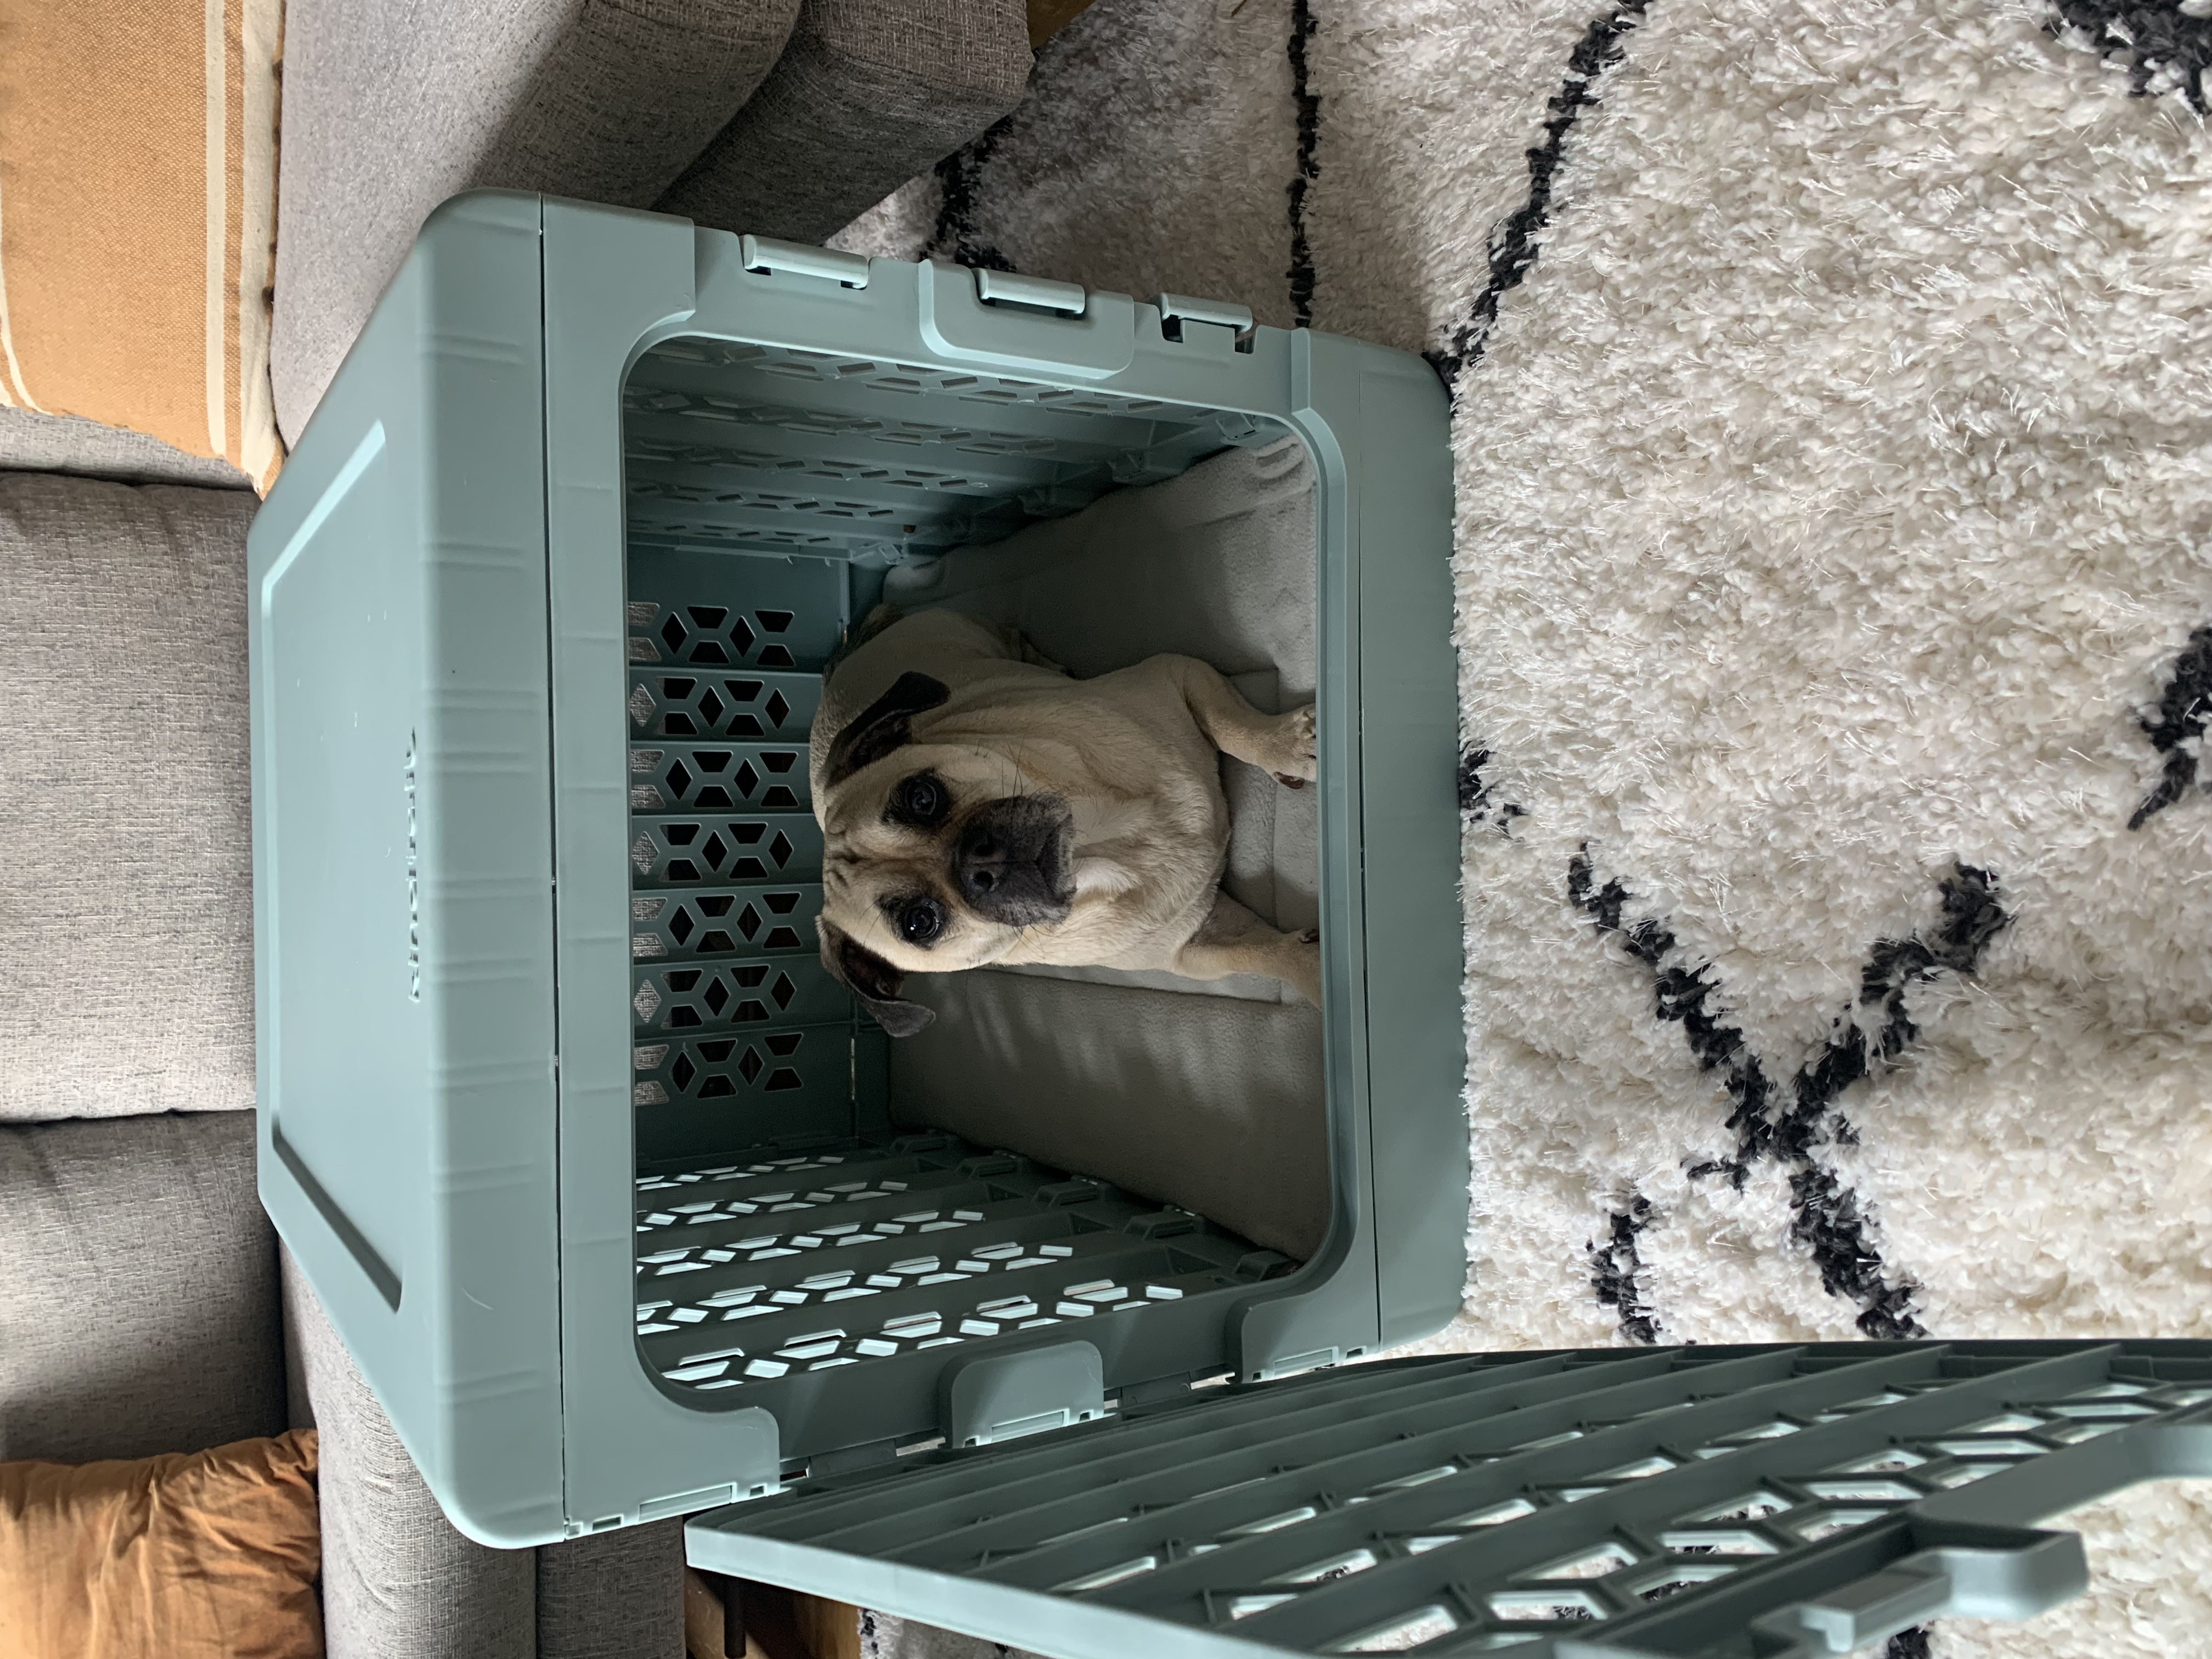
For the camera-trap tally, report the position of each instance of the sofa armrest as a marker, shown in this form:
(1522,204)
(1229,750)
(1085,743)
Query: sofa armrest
(398,1581)
(868,94)
(391,106)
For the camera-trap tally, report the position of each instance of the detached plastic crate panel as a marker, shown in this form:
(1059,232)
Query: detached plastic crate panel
(1779,1501)
(591,1163)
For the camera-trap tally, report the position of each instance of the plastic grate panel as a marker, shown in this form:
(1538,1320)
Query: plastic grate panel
(741,1036)
(1649,1501)
(683,849)
(694,999)
(774,450)
(718,921)
(757,704)
(672,777)
(747,1272)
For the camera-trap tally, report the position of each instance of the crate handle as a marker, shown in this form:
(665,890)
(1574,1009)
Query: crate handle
(1001,320)
(765,253)
(2005,1573)
(1012,288)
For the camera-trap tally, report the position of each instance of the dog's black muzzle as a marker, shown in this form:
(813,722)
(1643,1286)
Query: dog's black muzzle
(1011,864)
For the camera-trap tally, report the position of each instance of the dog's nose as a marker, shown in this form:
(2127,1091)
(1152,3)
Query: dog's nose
(982,864)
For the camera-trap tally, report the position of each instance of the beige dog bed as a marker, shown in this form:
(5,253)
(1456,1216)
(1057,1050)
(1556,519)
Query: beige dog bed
(1206,1095)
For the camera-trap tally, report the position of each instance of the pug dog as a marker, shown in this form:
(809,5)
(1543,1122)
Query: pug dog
(979,805)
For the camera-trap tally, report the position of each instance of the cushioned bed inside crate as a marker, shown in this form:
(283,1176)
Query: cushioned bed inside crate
(789,1216)
(1205,1094)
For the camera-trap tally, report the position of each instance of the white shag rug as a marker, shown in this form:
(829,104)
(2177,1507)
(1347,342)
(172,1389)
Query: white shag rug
(1834,424)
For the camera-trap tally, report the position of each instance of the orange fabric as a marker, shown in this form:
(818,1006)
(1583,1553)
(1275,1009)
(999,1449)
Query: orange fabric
(137,217)
(200,1555)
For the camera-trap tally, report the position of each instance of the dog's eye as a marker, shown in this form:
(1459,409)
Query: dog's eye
(922,921)
(922,798)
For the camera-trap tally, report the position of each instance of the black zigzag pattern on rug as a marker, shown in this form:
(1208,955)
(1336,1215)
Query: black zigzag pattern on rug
(2155,40)
(1474,802)
(1615,1264)
(1513,242)
(1301,271)
(1826,1218)
(953,237)
(2183,709)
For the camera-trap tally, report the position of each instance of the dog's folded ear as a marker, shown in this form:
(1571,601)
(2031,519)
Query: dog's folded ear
(885,725)
(869,977)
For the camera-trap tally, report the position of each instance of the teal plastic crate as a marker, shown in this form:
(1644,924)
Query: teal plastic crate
(590,1162)
(595,1169)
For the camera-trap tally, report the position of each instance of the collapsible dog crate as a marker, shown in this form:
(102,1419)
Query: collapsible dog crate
(588,1158)
(595,1169)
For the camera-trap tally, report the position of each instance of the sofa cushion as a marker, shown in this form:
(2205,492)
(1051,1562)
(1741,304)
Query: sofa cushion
(30,443)
(187,1555)
(391,106)
(868,94)
(396,1578)
(126,887)
(141,145)
(137,1289)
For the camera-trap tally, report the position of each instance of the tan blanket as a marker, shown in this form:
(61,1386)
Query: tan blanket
(200,1555)
(137,214)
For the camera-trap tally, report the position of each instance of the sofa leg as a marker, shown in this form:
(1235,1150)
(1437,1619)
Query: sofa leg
(830,1630)
(735,1619)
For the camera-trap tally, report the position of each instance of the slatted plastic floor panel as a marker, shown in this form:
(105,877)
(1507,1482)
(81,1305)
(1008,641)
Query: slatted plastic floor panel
(751,1270)
(1656,1501)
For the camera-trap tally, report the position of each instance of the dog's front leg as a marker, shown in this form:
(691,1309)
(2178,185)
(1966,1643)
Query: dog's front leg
(1233,940)
(1280,744)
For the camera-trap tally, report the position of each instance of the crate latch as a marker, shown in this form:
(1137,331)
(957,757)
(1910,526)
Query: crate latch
(1005,1396)
(765,253)
(1011,288)
(1215,328)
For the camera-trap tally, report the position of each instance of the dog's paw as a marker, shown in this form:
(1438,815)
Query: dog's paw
(1294,761)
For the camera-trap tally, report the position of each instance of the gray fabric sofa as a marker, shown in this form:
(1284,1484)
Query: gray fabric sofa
(145,1304)
(784,118)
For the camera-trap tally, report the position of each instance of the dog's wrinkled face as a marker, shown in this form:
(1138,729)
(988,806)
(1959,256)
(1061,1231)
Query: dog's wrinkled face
(934,856)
